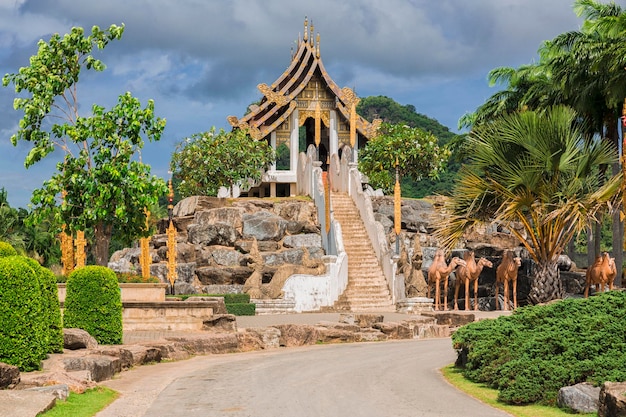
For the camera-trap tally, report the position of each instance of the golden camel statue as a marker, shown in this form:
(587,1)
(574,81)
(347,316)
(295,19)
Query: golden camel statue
(467,274)
(440,271)
(507,272)
(602,272)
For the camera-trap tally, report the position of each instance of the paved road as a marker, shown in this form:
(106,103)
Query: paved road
(396,379)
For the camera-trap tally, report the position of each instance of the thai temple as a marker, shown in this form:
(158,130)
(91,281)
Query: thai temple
(303,107)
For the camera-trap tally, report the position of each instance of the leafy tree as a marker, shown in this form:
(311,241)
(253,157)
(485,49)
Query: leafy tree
(534,169)
(416,152)
(207,161)
(388,110)
(105,188)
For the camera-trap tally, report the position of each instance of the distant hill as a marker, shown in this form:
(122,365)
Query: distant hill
(385,108)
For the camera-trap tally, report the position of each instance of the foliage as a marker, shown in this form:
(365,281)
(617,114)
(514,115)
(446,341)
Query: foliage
(132,278)
(531,354)
(207,161)
(51,316)
(86,404)
(23,336)
(385,108)
(534,169)
(282,157)
(6,250)
(104,187)
(240,309)
(489,396)
(415,151)
(93,303)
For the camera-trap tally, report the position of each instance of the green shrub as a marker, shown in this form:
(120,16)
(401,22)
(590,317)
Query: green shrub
(531,354)
(233,298)
(6,250)
(50,305)
(93,303)
(241,309)
(131,278)
(23,333)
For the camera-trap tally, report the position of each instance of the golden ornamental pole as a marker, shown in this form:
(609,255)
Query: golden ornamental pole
(144,243)
(171,242)
(67,252)
(326,180)
(80,249)
(397,209)
(67,246)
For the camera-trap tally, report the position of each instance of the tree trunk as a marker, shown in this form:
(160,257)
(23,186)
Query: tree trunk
(102,234)
(545,283)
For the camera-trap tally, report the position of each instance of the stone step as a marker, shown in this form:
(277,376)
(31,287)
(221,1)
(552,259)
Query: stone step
(367,288)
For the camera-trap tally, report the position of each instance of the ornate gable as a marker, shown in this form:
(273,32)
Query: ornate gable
(305,85)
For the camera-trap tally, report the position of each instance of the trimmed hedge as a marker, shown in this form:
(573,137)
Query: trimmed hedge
(241,309)
(93,303)
(23,330)
(6,250)
(51,306)
(531,354)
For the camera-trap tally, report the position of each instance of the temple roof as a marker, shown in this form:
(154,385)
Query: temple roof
(280,98)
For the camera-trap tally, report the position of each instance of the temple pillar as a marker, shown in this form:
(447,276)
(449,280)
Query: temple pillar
(333,135)
(272,189)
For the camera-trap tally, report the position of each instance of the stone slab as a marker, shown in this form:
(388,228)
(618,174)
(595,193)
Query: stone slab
(22,403)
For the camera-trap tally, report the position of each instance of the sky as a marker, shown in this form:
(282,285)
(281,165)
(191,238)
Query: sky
(201,60)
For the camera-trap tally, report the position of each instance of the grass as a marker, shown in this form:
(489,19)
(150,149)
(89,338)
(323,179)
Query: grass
(489,396)
(86,404)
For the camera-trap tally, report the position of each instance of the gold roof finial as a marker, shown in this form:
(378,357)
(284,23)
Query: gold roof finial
(318,45)
(306,29)
(312,32)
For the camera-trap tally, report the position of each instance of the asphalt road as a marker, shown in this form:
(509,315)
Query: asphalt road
(398,379)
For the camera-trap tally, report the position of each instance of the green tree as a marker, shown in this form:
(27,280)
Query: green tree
(416,152)
(105,188)
(207,161)
(534,169)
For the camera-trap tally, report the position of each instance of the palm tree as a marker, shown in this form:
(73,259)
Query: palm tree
(533,174)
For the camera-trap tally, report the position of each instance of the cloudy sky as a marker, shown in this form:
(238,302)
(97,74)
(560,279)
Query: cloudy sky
(201,60)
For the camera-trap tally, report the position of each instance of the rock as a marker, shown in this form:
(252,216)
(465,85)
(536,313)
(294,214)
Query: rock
(337,335)
(451,319)
(190,205)
(395,330)
(100,367)
(368,320)
(78,339)
(211,275)
(220,323)
(230,216)
(181,288)
(297,335)
(612,400)
(24,403)
(227,257)
(131,355)
(202,344)
(268,337)
(308,240)
(288,256)
(60,391)
(9,376)
(582,398)
(263,225)
(212,234)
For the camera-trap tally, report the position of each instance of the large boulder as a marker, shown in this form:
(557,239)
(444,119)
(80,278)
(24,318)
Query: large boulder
(74,339)
(190,205)
(612,400)
(212,234)
(264,225)
(297,334)
(582,398)
(9,376)
(99,367)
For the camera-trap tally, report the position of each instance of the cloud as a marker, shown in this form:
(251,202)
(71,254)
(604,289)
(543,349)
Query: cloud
(201,60)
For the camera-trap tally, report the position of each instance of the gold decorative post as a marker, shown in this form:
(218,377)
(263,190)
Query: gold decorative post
(171,242)
(67,252)
(144,242)
(397,209)
(80,249)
